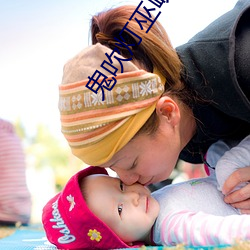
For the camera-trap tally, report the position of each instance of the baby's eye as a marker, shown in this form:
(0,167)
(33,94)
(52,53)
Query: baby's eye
(121,186)
(120,206)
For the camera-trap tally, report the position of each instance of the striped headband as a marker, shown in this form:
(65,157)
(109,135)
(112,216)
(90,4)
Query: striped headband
(95,128)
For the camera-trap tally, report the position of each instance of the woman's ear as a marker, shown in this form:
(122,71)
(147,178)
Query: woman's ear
(168,110)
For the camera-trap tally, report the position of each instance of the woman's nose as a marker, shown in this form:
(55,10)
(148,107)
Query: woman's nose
(126,177)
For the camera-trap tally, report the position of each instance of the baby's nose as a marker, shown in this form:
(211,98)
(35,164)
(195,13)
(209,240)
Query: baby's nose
(133,197)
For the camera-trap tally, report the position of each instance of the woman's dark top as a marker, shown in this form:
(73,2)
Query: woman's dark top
(217,67)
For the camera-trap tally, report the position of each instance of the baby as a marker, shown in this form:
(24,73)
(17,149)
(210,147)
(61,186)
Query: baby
(96,211)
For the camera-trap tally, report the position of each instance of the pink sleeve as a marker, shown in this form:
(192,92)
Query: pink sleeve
(15,200)
(201,229)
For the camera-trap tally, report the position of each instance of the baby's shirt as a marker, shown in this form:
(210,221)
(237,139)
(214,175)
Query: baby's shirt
(194,212)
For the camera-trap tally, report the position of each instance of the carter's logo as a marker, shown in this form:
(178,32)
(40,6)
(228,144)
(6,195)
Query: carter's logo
(67,237)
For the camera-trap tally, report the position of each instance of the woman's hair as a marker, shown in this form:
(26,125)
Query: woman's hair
(154,52)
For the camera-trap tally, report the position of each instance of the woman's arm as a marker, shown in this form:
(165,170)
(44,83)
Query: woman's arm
(240,198)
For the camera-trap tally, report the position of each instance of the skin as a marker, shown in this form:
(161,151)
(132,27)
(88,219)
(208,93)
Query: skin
(130,211)
(131,161)
(159,153)
(240,198)
(156,153)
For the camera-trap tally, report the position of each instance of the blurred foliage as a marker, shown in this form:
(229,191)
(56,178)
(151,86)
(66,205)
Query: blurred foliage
(45,150)
(20,130)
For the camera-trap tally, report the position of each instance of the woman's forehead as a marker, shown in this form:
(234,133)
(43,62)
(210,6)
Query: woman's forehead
(128,153)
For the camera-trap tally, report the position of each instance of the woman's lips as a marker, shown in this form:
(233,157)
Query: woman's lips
(148,183)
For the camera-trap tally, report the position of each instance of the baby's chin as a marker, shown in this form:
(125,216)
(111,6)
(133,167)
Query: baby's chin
(153,209)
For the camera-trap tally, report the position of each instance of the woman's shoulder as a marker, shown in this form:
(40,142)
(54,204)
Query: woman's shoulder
(209,65)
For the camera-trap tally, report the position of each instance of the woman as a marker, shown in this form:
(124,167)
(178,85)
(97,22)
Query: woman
(140,125)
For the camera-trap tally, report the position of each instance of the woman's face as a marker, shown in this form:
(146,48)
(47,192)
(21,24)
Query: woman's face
(147,159)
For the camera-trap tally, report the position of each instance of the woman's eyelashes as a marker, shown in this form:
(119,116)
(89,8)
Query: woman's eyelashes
(121,186)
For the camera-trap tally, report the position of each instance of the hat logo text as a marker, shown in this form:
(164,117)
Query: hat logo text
(67,237)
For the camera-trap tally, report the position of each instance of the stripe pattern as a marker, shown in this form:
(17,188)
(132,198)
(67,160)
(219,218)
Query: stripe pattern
(202,229)
(15,200)
(86,119)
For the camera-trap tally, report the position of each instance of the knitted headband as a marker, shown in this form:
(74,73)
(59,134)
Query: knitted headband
(69,223)
(96,127)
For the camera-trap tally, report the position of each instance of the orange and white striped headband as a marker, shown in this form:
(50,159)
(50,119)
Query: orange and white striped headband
(96,129)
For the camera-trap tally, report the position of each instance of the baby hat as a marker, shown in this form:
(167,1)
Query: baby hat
(98,122)
(69,223)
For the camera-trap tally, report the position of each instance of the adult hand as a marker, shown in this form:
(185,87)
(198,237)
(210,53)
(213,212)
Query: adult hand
(241,197)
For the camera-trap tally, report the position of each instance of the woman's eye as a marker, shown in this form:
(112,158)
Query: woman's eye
(121,186)
(120,206)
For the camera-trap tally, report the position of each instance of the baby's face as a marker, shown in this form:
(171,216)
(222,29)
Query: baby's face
(130,211)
